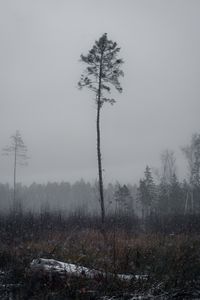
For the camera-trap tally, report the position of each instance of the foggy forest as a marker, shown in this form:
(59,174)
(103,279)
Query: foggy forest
(100,150)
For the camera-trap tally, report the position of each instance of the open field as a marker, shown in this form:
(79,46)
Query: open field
(170,261)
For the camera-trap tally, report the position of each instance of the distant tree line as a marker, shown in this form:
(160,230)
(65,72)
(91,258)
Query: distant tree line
(165,195)
(66,197)
(169,195)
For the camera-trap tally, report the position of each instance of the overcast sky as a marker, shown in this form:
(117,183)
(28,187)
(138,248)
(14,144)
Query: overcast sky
(40,46)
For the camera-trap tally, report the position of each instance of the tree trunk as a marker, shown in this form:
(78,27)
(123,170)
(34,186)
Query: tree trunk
(101,193)
(15,166)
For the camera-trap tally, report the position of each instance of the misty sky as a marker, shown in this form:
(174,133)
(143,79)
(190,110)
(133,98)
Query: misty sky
(40,46)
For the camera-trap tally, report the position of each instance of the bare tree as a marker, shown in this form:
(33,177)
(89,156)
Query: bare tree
(192,154)
(168,166)
(17,149)
(102,72)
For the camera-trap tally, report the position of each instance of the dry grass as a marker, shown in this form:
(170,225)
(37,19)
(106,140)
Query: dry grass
(152,254)
(173,259)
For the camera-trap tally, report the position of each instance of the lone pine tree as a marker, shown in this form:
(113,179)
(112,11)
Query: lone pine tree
(101,74)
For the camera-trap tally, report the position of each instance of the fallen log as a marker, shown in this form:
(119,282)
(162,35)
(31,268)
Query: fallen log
(52,266)
(61,268)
